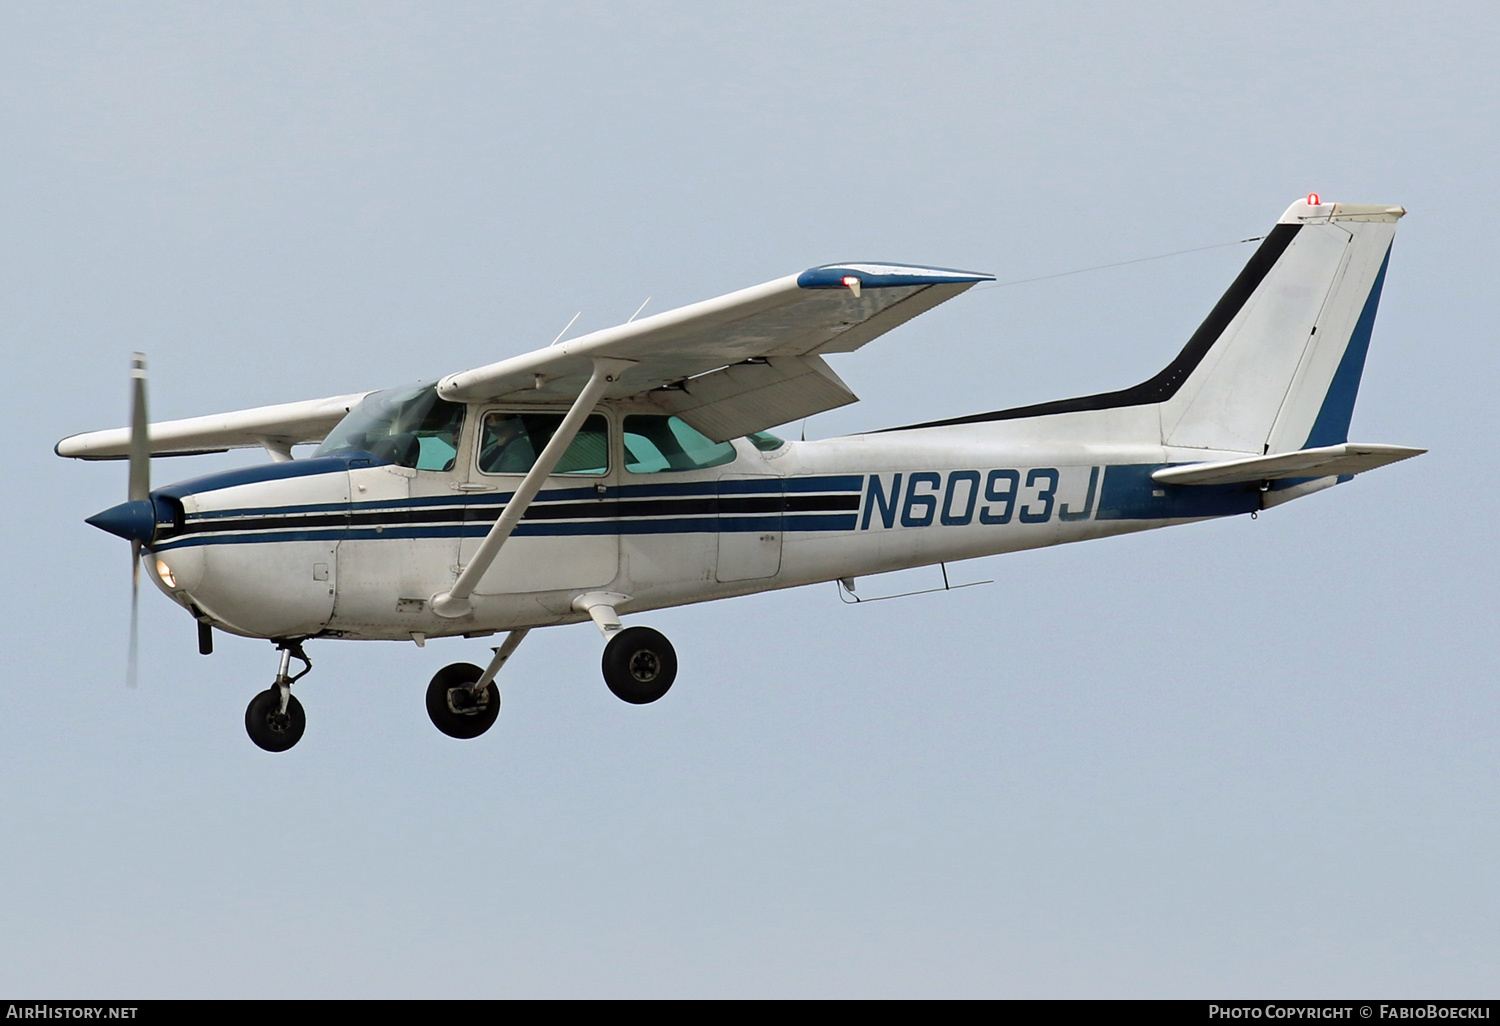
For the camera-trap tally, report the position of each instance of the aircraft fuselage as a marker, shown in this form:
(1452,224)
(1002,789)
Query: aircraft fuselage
(347,546)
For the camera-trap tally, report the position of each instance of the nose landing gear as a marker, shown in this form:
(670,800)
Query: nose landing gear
(274,718)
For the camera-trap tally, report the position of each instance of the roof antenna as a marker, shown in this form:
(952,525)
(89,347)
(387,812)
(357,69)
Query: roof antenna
(560,334)
(638,310)
(804,429)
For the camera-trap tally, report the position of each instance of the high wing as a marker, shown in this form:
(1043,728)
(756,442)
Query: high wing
(728,366)
(736,364)
(277,428)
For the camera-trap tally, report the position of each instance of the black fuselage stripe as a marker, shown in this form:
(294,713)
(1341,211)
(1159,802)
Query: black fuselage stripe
(607,509)
(1165,384)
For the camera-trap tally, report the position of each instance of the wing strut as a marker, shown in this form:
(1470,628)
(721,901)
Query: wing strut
(454,603)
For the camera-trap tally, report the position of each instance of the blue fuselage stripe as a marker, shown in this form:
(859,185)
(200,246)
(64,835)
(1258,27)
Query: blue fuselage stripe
(816,504)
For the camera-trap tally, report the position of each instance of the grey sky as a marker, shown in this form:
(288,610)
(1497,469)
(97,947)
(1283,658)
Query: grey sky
(1234,758)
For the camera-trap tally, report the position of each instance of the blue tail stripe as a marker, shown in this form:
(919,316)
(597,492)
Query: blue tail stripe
(1128,493)
(1332,425)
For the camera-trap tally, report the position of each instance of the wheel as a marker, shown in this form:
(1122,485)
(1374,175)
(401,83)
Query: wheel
(454,709)
(272,730)
(639,665)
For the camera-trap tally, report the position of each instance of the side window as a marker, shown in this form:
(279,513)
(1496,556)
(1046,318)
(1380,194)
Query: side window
(656,444)
(509,443)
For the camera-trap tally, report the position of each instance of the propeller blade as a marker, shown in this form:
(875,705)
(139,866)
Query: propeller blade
(140,442)
(139,489)
(132,661)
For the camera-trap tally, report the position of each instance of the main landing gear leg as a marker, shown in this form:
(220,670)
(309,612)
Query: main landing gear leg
(274,718)
(462,700)
(639,663)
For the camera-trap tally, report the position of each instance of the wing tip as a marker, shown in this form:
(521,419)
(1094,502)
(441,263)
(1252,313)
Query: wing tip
(74,447)
(880,276)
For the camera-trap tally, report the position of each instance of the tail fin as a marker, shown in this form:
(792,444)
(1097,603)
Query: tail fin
(1279,359)
(1275,366)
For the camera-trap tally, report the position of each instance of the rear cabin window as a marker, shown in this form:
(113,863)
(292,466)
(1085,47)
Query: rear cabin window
(656,445)
(509,443)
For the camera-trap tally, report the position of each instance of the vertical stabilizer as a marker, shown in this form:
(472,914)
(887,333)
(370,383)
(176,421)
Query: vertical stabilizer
(1283,371)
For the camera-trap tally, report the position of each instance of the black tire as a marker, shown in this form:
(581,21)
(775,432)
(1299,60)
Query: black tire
(449,703)
(639,665)
(272,730)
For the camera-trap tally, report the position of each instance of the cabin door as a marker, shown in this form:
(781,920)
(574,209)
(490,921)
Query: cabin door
(570,535)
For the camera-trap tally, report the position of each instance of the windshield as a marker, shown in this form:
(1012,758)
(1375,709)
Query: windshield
(410,427)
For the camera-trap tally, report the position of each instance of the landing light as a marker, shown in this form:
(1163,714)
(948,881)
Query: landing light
(165,573)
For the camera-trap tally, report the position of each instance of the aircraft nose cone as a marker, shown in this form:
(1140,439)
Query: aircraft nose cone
(133,521)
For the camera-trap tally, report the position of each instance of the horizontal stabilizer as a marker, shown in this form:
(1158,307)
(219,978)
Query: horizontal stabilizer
(1326,461)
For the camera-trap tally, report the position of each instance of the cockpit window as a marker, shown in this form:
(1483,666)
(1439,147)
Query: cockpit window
(410,427)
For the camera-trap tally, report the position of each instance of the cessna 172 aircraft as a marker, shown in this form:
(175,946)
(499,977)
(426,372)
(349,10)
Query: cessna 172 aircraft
(630,469)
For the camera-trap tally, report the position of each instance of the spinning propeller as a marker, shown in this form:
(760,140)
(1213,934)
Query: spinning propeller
(135,518)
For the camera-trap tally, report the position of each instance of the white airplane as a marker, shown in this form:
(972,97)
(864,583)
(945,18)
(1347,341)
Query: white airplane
(630,469)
